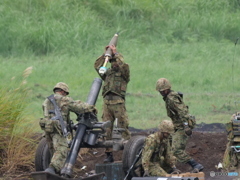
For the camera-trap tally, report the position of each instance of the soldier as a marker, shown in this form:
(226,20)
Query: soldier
(183,122)
(231,159)
(114,89)
(157,157)
(57,143)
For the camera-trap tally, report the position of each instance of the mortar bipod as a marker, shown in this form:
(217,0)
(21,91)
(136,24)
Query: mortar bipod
(95,137)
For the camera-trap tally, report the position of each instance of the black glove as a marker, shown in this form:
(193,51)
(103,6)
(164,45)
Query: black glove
(187,129)
(175,171)
(146,174)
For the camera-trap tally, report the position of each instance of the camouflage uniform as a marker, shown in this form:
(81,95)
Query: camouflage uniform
(231,159)
(157,157)
(56,141)
(113,92)
(183,122)
(178,112)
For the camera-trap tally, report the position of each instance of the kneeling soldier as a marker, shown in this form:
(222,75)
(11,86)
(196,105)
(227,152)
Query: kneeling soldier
(157,157)
(52,127)
(231,158)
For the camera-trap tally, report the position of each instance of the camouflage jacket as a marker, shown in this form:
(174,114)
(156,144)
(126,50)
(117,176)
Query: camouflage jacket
(176,109)
(154,149)
(229,128)
(67,105)
(114,81)
(233,128)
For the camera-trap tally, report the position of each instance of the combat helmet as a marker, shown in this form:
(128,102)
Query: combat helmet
(166,126)
(162,84)
(62,86)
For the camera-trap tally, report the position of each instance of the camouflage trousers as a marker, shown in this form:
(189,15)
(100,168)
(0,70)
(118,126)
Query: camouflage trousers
(111,112)
(58,147)
(159,168)
(179,141)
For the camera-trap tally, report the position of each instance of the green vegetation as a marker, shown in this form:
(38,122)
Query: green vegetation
(190,42)
(16,138)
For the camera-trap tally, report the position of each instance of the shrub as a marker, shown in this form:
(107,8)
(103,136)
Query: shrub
(16,143)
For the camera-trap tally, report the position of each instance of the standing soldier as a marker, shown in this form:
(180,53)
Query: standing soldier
(57,143)
(156,146)
(231,159)
(182,121)
(114,89)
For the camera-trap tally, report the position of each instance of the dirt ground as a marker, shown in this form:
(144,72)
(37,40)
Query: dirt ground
(206,146)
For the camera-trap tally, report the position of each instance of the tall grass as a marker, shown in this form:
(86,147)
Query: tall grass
(16,129)
(73,27)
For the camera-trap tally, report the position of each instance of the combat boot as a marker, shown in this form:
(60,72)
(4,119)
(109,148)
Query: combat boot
(109,158)
(50,170)
(196,166)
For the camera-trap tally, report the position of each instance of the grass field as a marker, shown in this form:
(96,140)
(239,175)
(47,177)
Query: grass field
(210,85)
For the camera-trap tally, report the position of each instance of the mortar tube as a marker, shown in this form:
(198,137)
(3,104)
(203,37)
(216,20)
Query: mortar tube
(67,170)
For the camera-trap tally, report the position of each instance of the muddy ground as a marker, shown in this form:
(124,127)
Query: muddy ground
(207,146)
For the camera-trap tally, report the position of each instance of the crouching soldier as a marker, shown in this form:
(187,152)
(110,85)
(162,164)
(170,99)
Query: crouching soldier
(55,136)
(231,159)
(157,157)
